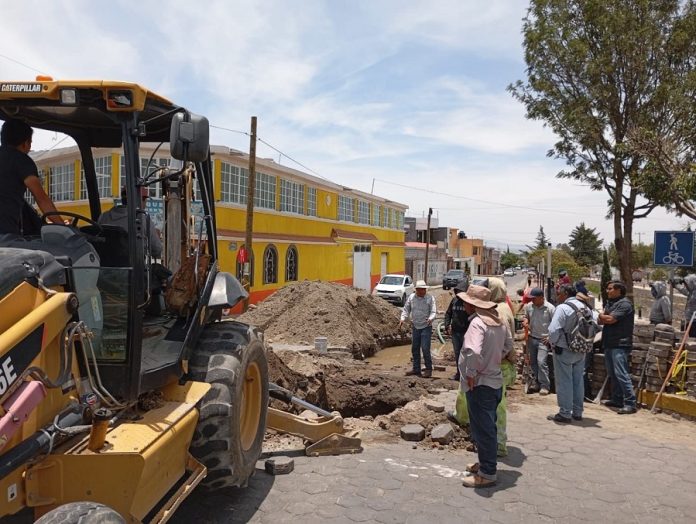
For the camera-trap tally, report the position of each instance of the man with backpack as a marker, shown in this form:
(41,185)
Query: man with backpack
(571,334)
(617,342)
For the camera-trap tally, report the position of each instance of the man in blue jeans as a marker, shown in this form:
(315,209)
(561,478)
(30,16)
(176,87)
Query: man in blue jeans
(421,308)
(568,365)
(617,342)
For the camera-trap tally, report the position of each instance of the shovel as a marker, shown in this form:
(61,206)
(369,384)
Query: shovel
(600,394)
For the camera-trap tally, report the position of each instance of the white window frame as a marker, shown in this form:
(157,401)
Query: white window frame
(234,181)
(61,182)
(265,191)
(291,196)
(363,212)
(345,208)
(312,201)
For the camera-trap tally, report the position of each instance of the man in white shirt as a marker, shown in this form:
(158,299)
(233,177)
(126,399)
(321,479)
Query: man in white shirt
(421,308)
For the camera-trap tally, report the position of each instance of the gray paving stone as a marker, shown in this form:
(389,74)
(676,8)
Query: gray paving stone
(360,514)
(442,433)
(412,432)
(380,504)
(350,501)
(300,508)
(391,517)
(434,405)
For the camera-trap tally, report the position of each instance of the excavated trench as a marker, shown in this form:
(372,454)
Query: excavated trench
(354,388)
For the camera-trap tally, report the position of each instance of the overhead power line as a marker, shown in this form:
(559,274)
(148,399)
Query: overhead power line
(480,201)
(21,63)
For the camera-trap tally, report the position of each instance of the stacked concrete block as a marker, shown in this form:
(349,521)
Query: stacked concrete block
(599,373)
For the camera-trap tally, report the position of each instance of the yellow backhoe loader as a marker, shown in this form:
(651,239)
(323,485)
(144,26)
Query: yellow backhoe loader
(120,388)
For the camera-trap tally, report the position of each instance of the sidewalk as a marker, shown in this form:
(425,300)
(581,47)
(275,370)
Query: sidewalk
(608,468)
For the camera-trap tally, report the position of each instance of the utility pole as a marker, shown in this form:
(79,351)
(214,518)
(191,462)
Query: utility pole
(548,270)
(246,277)
(427,244)
(640,239)
(372,191)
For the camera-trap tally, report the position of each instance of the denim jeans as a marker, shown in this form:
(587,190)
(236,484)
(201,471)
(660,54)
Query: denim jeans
(421,341)
(616,361)
(483,402)
(538,353)
(570,389)
(457,343)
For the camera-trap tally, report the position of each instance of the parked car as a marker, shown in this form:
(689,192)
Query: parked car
(394,288)
(509,272)
(452,277)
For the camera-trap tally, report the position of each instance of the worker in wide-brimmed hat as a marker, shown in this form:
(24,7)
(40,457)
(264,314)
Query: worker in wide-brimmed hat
(487,341)
(421,308)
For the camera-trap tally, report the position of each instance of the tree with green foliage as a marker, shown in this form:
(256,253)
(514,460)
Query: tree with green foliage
(605,277)
(600,72)
(585,245)
(559,259)
(509,259)
(643,255)
(542,241)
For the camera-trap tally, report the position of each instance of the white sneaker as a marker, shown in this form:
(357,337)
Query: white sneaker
(543,392)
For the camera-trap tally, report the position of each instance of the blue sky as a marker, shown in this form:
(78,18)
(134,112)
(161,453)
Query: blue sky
(409,94)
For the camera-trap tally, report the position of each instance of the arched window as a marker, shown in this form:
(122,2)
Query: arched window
(240,269)
(291,264)
(270,265)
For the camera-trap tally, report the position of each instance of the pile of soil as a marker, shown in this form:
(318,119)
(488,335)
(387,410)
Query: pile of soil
(348,317)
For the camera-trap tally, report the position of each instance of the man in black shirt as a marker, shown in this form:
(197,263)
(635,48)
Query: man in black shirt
(457,322)
(18,173)
(617,342)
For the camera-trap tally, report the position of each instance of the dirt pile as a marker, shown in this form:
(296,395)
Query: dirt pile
(348,317)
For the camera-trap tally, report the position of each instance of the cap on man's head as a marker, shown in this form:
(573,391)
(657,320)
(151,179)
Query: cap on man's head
(461,285)
(562,273)
(536,292)
(420,284)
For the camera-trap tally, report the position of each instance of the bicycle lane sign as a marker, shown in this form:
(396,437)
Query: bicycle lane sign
(674,248)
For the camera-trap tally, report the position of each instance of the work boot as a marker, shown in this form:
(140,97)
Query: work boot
(427,373)
(473,468)
(543,392)
(560,419)
(413,373)
(476,481)
(627,410)
(611,404)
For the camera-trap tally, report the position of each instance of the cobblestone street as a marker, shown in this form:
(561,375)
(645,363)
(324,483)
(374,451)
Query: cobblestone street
(607,468)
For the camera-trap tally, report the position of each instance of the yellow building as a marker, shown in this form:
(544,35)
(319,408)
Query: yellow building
(466,249)
(305,227)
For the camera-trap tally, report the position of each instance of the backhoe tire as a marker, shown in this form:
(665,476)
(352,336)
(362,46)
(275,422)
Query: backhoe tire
(231,357)
(81,513)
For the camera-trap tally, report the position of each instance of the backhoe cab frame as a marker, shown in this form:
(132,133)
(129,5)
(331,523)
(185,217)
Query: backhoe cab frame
(113,114)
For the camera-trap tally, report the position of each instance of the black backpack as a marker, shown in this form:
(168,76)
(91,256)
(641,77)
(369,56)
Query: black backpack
(581,337)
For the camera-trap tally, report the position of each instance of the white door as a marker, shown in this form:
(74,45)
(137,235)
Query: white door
(361,267)
(383,265)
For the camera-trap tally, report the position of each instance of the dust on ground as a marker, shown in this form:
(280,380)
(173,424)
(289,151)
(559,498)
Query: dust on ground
(348,317)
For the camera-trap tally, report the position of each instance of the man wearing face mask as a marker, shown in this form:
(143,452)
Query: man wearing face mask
(661,310)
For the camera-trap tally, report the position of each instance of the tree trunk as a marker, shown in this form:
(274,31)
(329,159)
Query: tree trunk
(623,229)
